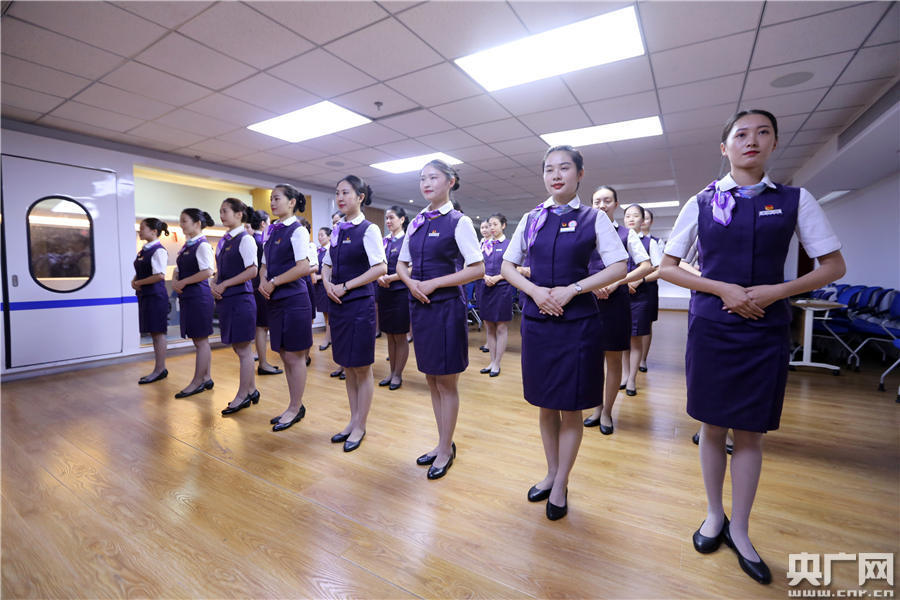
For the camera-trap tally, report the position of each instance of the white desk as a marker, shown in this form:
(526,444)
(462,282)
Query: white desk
(810,306)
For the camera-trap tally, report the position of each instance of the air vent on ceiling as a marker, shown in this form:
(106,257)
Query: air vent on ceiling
(881,106)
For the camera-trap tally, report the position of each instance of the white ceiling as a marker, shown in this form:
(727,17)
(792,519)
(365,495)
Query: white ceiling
(187,77)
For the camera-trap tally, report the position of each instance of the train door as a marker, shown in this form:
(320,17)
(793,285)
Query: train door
(62,295)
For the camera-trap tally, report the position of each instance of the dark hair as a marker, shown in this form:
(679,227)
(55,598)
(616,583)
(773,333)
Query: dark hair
(239,207)
(359,186)
(574,153)
(199,216)
(293,193)
(606,187)
(499,216)
(743,113)
(257,218)
(639,207)
(304,223)
(456,205)
(337,212)
(447,170)
(401,214)
(647,211)
(327,230)
(156,225)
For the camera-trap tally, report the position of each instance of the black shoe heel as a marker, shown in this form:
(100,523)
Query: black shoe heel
(554,512)
(758,571)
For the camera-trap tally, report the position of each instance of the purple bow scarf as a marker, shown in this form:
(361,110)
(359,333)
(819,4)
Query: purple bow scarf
(336,231)
(537,217)
(488,247)
(723,201)
(420,219)
(192,242)
(272,229)
(225,239)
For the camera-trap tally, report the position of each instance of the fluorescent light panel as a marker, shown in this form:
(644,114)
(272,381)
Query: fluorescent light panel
(601,134)
(414,163)
(833,196)
(662,183)
(665,204)
(596,41)
(310,122)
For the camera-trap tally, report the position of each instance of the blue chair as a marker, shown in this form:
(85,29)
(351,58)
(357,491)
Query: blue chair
(868,322)
(837,322)
(471,306)
(891,327)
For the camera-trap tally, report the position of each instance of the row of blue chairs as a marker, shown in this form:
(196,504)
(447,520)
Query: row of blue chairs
(871,316)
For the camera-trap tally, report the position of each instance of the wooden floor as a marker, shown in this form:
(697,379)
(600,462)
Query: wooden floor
(111,489)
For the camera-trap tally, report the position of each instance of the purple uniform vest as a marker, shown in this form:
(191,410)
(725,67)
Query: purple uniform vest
(596,265)
(392,252)
(143,268)
(230,263)
(494,260)
(280,258)
(349,259)
(434,253)
(259,254)
(188,266)
(751,250)
(560,256)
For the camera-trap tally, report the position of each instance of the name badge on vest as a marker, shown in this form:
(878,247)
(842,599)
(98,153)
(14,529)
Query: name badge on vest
(278,241)
(347,240)
(567,227)
(434,233)
(227,248)
(769,210)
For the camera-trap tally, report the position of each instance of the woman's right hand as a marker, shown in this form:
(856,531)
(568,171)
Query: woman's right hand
(547,304)
(736,300)
(383,282)
(135,286)
(417,293)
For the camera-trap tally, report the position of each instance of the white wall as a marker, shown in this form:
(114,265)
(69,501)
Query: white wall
(165,200)
(867,222)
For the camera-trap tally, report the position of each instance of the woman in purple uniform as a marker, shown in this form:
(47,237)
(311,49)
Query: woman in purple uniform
(319,296)
(738,343)
(486,238)
(438,238)
(285,264)
(614,309)
(495,303)
(656,250)
(149,284)
(195,267)
(354,261)
(393,299)
(236,267)
(562,350)
(259,224)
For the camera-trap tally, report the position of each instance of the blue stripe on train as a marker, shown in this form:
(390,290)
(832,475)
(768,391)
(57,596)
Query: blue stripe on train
(40,304)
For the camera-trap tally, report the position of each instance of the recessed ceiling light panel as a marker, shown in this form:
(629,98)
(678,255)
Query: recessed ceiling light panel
(414,163)
(601,134)
(310,122)
(596,41)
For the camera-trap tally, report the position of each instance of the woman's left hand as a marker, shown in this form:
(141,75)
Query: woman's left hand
(427,287)
(763,295)
(135,286)
(178,286)
(633,286)
(266,288)
(217,290)
(563,294)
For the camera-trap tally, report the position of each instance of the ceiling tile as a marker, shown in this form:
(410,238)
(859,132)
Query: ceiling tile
(322,74)
(77,126)
(147,81)
(104,25)
(367,156)
(271,93)
(338,161)
(703,61)
(53,50)
(405,148)
(501,162)
(298,152)
(252,139)
(331,144)
(475,153)
(709,135)
(457,29)
(623,77)
(420,122)
(522,145)
(788,104)
(889,29)
(795,151)
(873,63)
(20,97)
(815,136)
(695,119)
(436,85)
(220,148)
(322,22)
(853,94)
(189,120)
(477,109)
(613,110)
(186,58)
(701,93)
(168,14)
(671,24)
(267,159)
(40,78)
(19,114)
(114,99)
(839,117)
(776,12)
(448,140)
(363,101)
(367,50)
(536,96)
(97,117)
(541,16)
(371,134)
(164,133)
(237,30)
(230,110)
(498,131)
(825,70)
(561,119)
(832,32)
(645,146)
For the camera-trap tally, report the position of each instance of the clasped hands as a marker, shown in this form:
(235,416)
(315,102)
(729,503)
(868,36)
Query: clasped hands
(748,302)
(551,301)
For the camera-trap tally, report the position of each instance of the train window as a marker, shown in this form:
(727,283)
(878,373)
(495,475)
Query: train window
(60,244)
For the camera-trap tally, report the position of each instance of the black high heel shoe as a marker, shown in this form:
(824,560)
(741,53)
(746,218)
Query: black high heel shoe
(252,398)
(384,382)
(705,545)
(395,386)
(590,422)
(145,379)
(427,459)
(206,385)
(279,426)
(351,446)
(323,347)
(554,512)
(538,495)
(485,370)
(339,437)
(758,571)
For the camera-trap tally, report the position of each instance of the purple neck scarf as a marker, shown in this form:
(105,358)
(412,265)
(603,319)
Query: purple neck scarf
(336,231)
(538,216)
(420,219)
(272,229)
(225,239)
(192,242)
(723,201)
